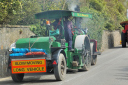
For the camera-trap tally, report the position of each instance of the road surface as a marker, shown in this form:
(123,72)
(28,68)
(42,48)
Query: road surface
(111,69)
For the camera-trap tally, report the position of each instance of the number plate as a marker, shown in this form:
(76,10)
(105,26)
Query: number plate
(28,66)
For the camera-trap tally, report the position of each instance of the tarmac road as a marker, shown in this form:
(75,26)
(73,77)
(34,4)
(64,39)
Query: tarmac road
(111,69)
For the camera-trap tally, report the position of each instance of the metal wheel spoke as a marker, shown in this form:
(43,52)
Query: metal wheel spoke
(62,71)
(62,66)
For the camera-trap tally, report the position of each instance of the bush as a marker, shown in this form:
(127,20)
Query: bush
(95,25)
(109,26)
(9,10)
(96,5)
(121,8)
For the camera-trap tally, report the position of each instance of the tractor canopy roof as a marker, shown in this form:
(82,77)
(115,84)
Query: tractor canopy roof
(54,14)
(124,22)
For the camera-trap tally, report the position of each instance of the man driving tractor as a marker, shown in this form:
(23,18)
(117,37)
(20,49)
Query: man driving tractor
(68,33)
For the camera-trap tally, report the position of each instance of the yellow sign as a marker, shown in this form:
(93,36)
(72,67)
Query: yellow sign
(82,15)
(28,66)
(76,14)
(28,62)
(29,70)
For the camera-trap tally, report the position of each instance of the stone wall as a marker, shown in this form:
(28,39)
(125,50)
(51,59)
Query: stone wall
(110,39)
(8,35)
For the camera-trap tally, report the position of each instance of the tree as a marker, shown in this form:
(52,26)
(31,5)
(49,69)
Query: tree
(8,10)
(26,15)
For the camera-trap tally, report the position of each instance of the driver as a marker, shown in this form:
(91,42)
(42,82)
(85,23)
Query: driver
(126,28)
(68,33)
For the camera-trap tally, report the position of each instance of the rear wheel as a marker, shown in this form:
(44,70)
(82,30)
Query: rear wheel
(123,39)
(60,69)
(17,77)
(94,59)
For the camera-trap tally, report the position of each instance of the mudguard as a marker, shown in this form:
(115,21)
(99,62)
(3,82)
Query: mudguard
(55,56)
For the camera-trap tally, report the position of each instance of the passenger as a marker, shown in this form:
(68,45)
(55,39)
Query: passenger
(68,33)
(56,24)
(57,27)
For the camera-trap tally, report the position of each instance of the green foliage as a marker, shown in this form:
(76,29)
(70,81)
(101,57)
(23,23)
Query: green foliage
(94,25)
(120,8)
(107,15)
(26,15)
(109,26)
(96,5)
(22,12)
(18,11)
(8,10)
(53,5)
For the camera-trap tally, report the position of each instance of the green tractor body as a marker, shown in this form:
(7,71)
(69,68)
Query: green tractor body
(57,58)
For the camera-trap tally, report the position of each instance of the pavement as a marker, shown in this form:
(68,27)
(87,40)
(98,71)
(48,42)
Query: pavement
(111,69)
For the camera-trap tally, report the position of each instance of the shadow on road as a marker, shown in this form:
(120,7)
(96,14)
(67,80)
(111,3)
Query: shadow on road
(72,71)
(118,47)
(29,80)
(123,75)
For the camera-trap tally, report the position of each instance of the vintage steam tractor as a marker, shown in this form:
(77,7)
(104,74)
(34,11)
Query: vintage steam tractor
(50,52)
(124,33)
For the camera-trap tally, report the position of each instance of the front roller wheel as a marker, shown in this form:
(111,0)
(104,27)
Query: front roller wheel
(60,69)
(86,55)
(17,77)
(87,63)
